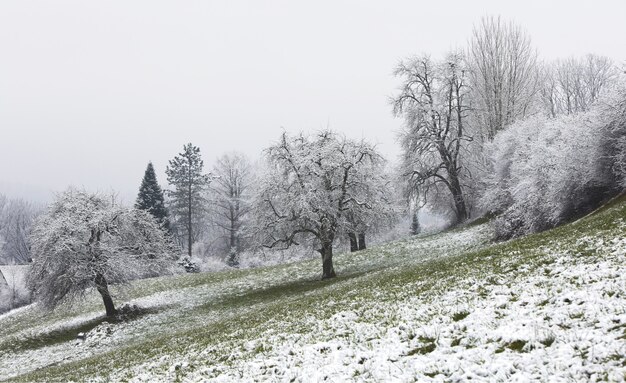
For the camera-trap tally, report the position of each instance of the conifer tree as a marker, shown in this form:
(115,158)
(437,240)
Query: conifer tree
(184,173)
(415,224)
(150,197)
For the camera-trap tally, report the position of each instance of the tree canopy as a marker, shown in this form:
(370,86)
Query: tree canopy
(84,240)
(185,173)
(433,100)
(150,197)
(317,187)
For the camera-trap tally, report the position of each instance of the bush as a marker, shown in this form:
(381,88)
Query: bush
(189,265)
(547,171)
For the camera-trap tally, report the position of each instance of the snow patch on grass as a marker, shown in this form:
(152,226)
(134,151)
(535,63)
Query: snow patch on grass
(448,307)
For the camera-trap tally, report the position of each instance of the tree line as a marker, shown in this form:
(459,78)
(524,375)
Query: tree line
(312,190)
(489,129)
(493,129)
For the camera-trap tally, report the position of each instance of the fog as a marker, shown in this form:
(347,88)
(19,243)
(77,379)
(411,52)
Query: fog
(92,91)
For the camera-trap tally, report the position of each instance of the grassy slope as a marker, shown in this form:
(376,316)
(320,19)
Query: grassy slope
(209,325)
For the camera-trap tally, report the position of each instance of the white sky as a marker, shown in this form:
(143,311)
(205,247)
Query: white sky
(90,91)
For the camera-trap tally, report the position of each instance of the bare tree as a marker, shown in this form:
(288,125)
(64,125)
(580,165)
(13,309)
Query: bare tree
(15,294)
(433,101)
(573,85)
(83,241)
(230,202)
(312,185)
(16,219)
(503,73)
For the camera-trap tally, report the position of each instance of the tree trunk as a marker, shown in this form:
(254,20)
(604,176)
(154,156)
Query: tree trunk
(461,209)
(189,235)
(233,229)
(459,205)
(457,195)
(328,271)
(362,241)
(103,289)
(354,245)
(232,258)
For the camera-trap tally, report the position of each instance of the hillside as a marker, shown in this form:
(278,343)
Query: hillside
(446,307)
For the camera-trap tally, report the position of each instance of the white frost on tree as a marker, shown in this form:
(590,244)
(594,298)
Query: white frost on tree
(434,102)
(16,219)
(83,240)
(230,204)
(314,188)
(575,84)
(550,170)
(503,74)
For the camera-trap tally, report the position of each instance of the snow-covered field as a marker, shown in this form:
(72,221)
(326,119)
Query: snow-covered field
(447,307)
(564,322)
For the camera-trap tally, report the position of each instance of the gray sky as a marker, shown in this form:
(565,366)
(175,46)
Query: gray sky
(90,91)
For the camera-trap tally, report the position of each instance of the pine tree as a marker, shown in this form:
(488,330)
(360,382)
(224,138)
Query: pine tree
(415,224)
(184,172)
(150,197)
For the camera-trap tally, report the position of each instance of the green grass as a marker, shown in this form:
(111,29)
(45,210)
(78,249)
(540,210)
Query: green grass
(460,315)
(548,341)
(480,220)
(423,350)
(57,336)
(227,311)
(516,345)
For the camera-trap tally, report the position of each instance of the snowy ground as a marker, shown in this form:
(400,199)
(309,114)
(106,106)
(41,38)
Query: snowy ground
(565,322)
(449,307)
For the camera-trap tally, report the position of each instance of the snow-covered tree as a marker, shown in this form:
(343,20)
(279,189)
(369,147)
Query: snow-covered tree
(503,72)
(575,84)
(150,197)
(381,216)
(433,101)
(551,170)
(188,198)
(13,293)
(313,186)
(5,294)
(16,219)
(230,203)
(84,240)
(612,143)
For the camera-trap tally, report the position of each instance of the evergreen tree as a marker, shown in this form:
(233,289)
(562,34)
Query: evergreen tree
(415,224)
(184,172)
(150,197)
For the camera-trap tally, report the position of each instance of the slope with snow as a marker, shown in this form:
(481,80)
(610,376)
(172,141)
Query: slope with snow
(447,307)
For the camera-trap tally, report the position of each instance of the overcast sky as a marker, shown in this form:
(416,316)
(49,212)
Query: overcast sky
(90,91)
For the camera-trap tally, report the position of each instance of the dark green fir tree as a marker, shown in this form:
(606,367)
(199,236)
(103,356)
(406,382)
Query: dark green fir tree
(415,224)
(150,197)
(188,201)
